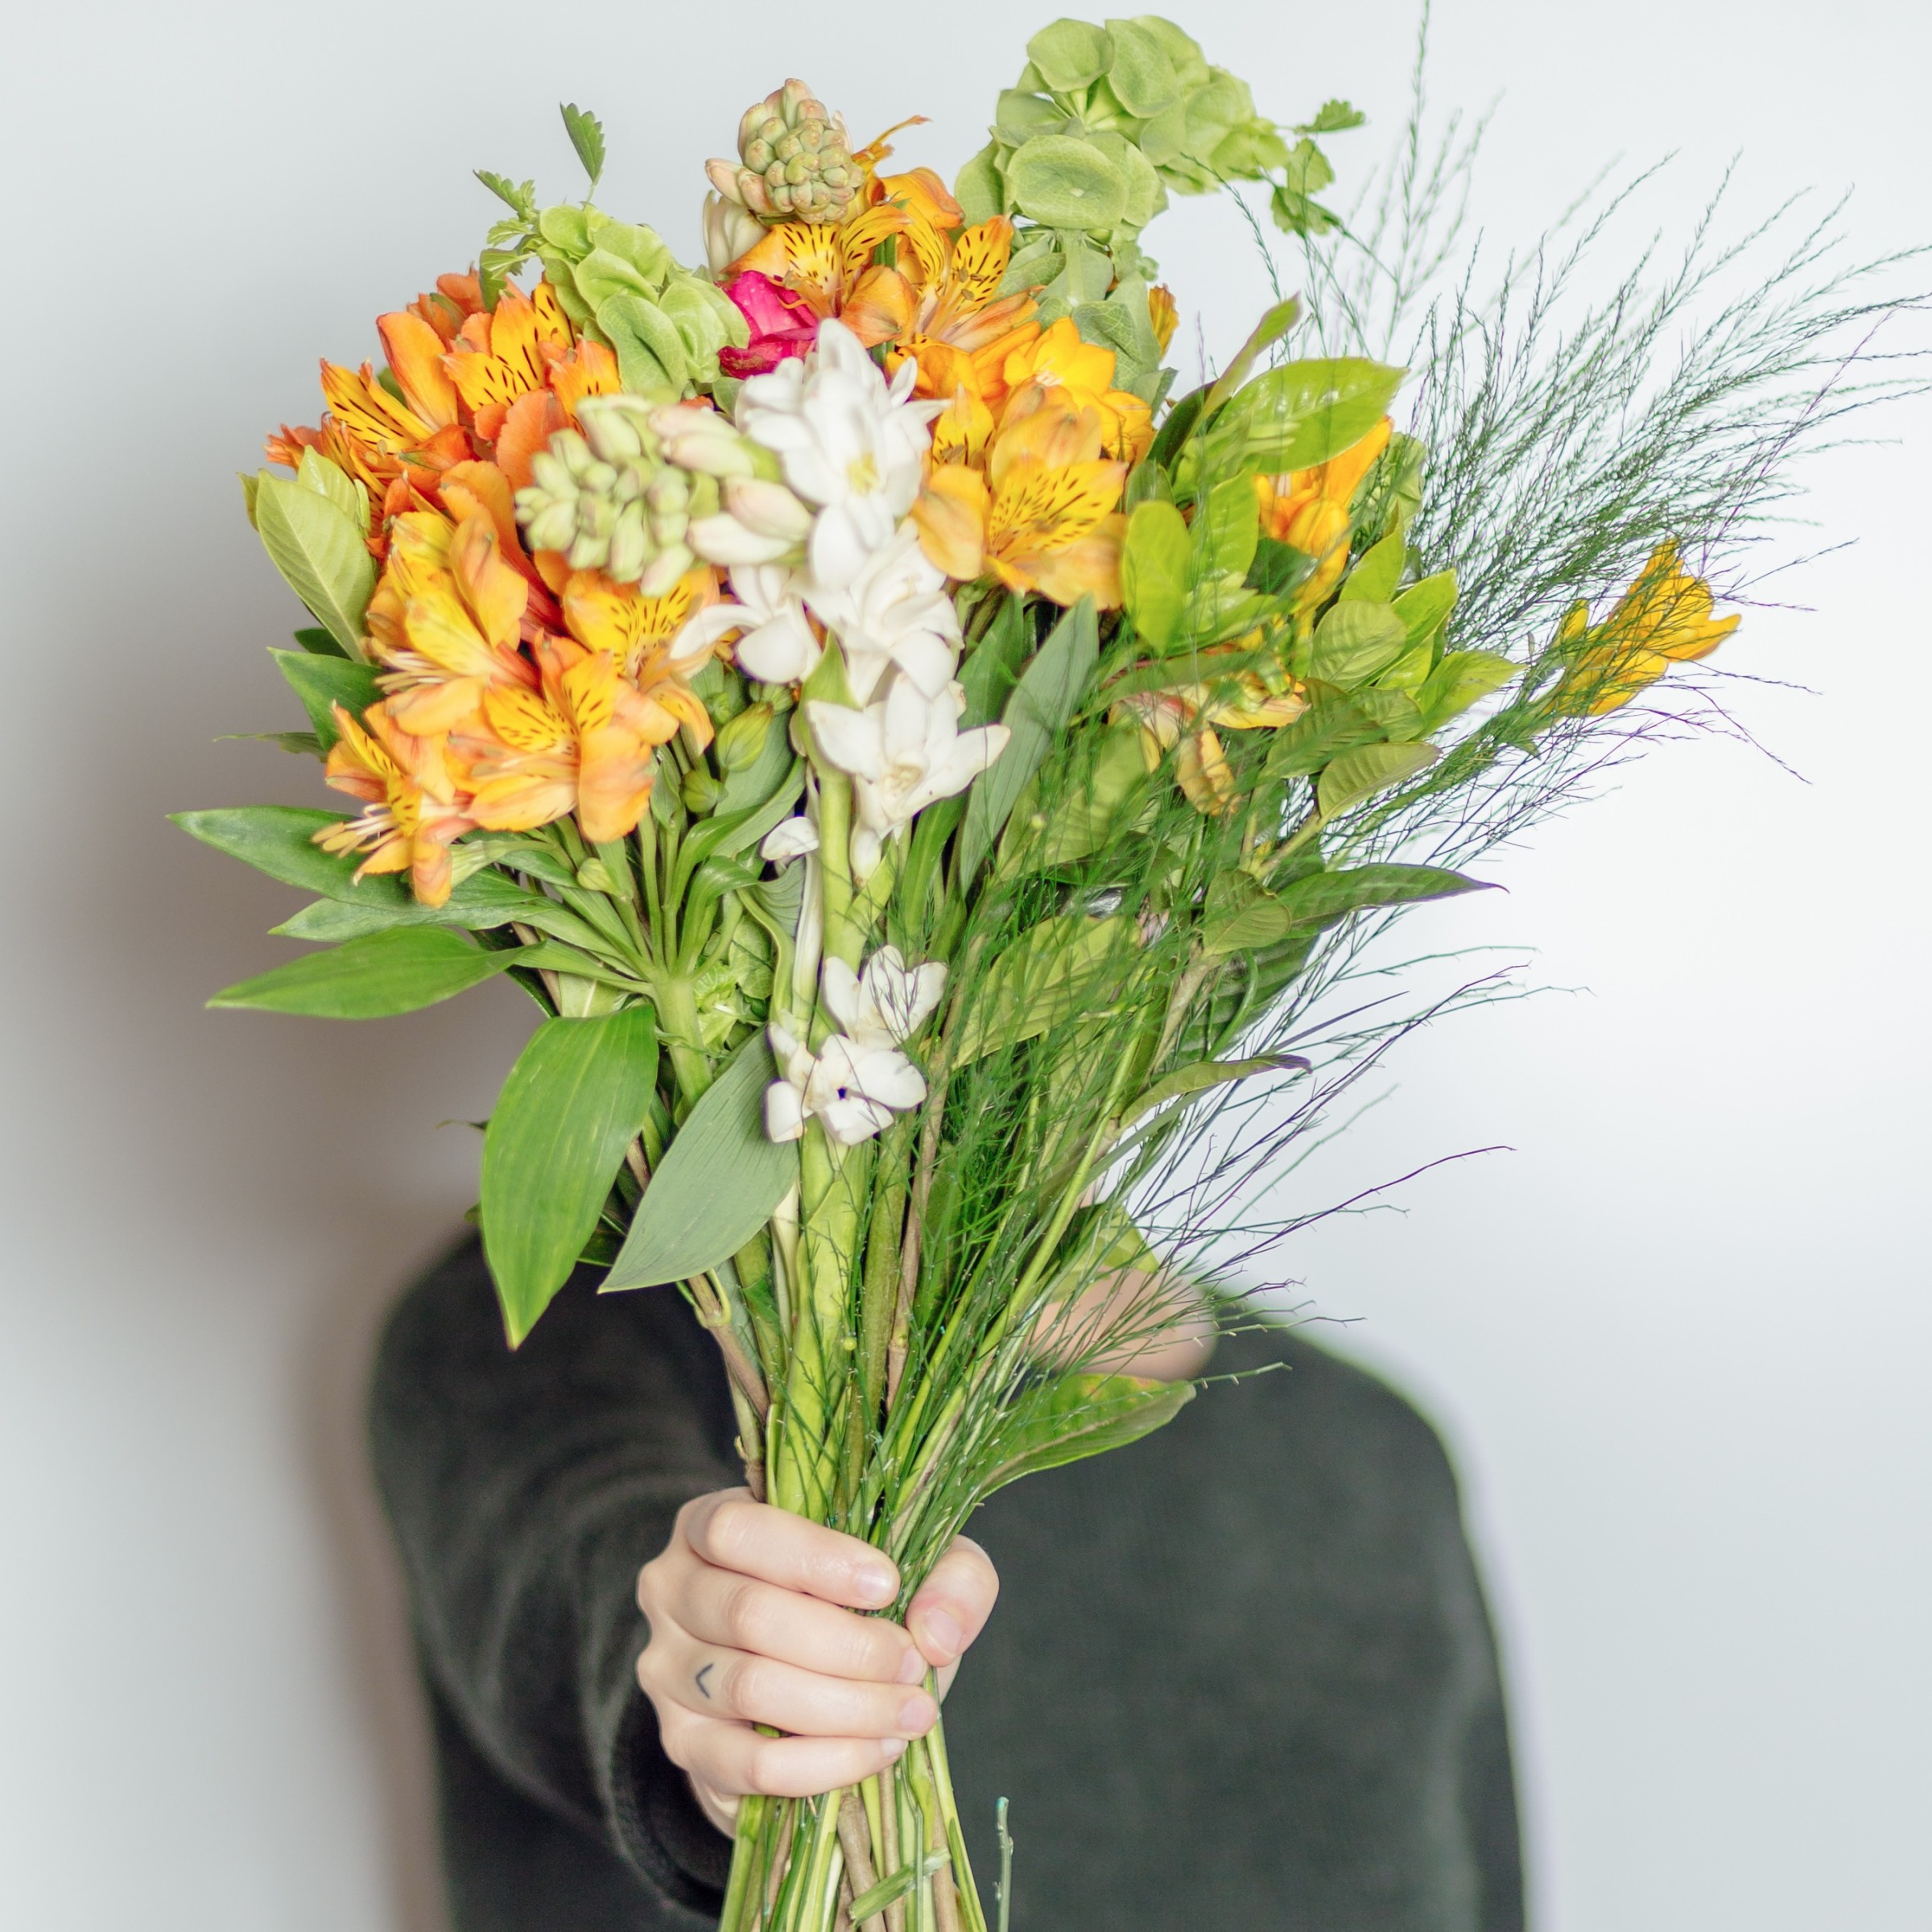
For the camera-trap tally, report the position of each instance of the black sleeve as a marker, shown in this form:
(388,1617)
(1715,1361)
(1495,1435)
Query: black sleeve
(526,1490)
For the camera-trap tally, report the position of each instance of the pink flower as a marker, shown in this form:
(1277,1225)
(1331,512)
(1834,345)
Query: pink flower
(783,324)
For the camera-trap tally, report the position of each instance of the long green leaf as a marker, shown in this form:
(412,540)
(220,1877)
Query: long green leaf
(1360,774)
(280,841)
(371,978)
(1322,897)
(320,552)
(1049,691)
(484,900)
(576,1098)
(718,1184)
(1075,1416)
(1185,1082)
(322,683)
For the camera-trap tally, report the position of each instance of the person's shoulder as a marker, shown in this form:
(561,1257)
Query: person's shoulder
(1335,1412)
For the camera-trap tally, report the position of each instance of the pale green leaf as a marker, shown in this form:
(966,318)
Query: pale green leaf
(1353,641)
(1360,774)
(1424,608)
(718,1184)
(1156,565)
(1074,1416)
(320,552)
(1057,968)
(1461,680)
(1373,580)
(1140,74)
(332,482)
(1226,528)
(574,1101)
(1304,413)
(587,136)
(1322,897)
(371,978)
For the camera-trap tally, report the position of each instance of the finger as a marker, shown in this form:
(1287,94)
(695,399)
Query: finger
(735,1684)
(724,1607)
(733,1759)
(950,1609)
(729,1530)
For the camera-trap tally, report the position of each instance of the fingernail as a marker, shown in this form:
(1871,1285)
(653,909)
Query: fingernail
(876,1586)
(917,1713)
(912,1668)
(890,1747)
(942,1633)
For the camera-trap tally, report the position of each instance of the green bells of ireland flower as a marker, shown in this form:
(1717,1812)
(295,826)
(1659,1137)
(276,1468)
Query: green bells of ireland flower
(619,283)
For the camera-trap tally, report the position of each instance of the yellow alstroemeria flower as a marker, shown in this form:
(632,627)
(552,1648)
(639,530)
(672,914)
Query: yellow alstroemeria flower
(1664,618)
(1187,715)
(445,621)
(1060,359)
(638,632)
(1041,516)
(1308,510)
(413,809)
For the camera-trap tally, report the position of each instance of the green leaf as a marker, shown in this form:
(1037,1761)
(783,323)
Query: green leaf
(1274,324)
(1333,118)
(1321,732)
(1304,413)
(650,352)
(1069,54)
(519,196)
(249,482)
(1156,563)
(587,136)
(1186,1083)
(1226,528)
(1373,580)
(1356,775)
(322,682)
(1353,641)
(480,903)
(1048,693)
(718,1184)
(1054,970)
(1083,822)
(1424,608)
(990,669)
(334,485)
(1278,569)
(320,552)
(319,643)
(574,1101)
(371,978)
(1069,1416)
(279,840)
(1461,680)
(1322,897)
(977,187)
(1063,182)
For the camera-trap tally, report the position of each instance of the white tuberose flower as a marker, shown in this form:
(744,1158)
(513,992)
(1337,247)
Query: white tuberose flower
(849,443)
(778,647)
(853,1090)
(895,611)
(789,839)
(887,1003)
(903,752)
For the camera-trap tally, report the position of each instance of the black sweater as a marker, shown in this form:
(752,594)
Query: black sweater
(1240,1672)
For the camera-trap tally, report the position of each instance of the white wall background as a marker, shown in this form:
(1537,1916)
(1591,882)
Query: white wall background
(1678,1337)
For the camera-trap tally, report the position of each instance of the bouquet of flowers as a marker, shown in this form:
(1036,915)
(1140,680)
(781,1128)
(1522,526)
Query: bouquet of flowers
(927,772)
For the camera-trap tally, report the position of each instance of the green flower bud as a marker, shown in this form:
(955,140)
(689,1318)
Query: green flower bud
(742,743)
(699,791)
(794,161)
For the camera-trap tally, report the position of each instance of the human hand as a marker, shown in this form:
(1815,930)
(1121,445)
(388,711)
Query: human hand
(752,1614)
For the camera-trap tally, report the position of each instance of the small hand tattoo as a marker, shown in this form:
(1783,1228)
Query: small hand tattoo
(703,1674)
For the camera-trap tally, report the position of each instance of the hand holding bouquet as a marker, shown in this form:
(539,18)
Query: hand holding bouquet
(926,771)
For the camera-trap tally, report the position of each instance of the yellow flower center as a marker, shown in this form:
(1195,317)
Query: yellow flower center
(862,473)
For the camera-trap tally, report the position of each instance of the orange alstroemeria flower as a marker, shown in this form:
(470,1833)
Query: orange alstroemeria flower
(639,632)
(413,808)
(1042,516)
(445,621)
(585,742)
(1308,510)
